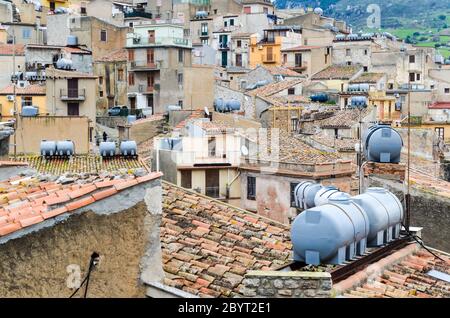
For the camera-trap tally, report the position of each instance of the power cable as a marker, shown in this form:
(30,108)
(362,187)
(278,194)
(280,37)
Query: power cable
(420,241)
(92,263)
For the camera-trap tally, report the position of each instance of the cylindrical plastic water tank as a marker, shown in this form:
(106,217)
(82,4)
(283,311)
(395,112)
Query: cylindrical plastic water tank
(233,105)
(128,148)
(72,40)
(359,101)
(326,193)
(353,87)
(383,144)
(173,108)
(364,87)
(305,193)
(201,14)
(321,97)
(48,148)
(219,105)
(331,233)
(29,111)
(107,149)
(385,213)
(65,148)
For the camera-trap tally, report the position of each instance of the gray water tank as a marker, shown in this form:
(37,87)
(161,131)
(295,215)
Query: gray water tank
(233,105)
(64,64)
(128,148)
(383,144)
(331,233)
(305,193)
(201,14)
(173,108)
(72,40)
(385,213)
(325,194)
(29,111)
(65,148)
(107,149)
(48,148)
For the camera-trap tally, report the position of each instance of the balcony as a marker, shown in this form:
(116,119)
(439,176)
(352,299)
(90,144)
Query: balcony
(73,94)
(137,66)
(144,89)
(300,67)
(136,40)
(138,14)
(269,58)
(205,158)
(204,34)
(213,192)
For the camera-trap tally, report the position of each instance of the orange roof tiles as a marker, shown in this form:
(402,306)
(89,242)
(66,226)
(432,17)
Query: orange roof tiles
(208,246)
(26,201)
(120,55)
(34,89)
(8,49)
(344,72)
(408,278)
(274,88)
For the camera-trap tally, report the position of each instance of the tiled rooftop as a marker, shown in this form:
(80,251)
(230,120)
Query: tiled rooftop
(274,88)
(344,118)
(371,78)
(25,201)
(337,143)
(408,278)
(34,89)
(81,164)
(302,48)
(344,72)
(280,70)
(208,246)
(120,55)
(55,73)
(8,49)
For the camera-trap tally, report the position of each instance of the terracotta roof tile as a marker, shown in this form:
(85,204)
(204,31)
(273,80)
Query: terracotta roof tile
(120,55)
(208,238)
(8,49)
(344,72)
(274,88)
(25,201)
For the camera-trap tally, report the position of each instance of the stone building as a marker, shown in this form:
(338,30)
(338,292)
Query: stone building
(307,60)
(157,57)
(111,71)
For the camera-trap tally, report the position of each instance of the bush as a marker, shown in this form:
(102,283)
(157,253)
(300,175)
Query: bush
(442,17)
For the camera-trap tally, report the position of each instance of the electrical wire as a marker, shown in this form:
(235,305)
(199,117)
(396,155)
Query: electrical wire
(420,241)
(92,264)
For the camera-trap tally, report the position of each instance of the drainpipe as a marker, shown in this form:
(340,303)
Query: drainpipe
(229,185)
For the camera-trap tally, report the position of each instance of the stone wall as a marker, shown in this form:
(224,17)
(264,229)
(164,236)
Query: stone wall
(145,129)
(228,94)
(279,284)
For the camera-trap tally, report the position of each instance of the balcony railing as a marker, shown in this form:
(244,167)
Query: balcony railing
(134,40)
(224,46)
(138,14)
(213,192)
(144,65)
(146,89)
(73,94)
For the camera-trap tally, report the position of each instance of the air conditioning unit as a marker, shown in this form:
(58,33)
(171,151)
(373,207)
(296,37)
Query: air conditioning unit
(136,40)
(10,98)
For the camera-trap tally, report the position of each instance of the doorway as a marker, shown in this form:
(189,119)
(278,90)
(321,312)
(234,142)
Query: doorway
(212,183)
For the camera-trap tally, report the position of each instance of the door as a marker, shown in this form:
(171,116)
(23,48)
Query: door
(224,59)
(150,102)
(239,60)
(440,132)
(72,87)
(150,81)
(269,54)
(150,57)
(186,179)
(151,36)
(133,103)
(298,60)
(73,109)
(212,183)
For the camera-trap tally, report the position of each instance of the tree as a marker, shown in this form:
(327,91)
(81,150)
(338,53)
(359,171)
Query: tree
(442,17)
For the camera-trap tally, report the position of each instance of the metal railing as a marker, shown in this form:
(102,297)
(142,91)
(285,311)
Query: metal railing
(136,40)
(144,64)
(138,14)
(269,58)
(73,94)
(213,192)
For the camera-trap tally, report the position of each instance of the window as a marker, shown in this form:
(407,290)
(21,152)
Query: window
(120,75)
(83,10)
(215,11)
(347,52)
(247,10)
(100,93)
(73,109)
(180,103)
(205,41)
(186,179)
(390,86)
(447,90)
(293,186)
(131,55)
(412,77)
(27,101)
(349,63)
(251,188)
(100,80)
(266,10)
(440,132)
(26,33)
(294,124)
(231,22)
(418,76)
(150,81)
(298,60)
(103,35)
(365,68)
(211,146)
(226,23)
(130,79)
(204,28)
(180,56)
(412,59)
(365,52)
(180,79)
(239,43)
(291,91)
(150,57)
(284,58)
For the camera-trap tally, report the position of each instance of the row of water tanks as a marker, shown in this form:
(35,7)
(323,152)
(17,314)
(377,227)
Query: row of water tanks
(319,98)
(127,148)
(222,106)
(363,87)
(50,148)
(358,102)
(336,227)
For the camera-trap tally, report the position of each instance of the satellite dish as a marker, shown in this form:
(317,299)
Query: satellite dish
(244,151)
(206,111)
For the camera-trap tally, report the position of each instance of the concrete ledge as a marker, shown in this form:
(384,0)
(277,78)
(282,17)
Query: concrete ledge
(374,269)
(290,274)
(159,290)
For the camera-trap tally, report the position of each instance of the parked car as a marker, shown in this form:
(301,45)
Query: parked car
(118,111)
